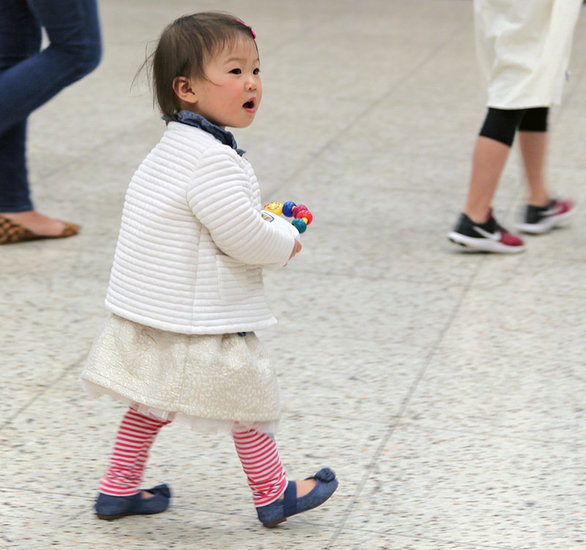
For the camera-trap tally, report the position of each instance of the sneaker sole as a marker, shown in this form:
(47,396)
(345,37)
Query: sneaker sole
(546,225)
(484,245)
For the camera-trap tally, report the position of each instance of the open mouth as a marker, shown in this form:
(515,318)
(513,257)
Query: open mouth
(249,104)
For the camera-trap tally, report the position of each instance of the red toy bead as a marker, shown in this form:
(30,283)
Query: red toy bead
(298,207)
(305,215)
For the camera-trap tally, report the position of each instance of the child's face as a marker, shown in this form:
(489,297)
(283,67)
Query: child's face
(231,92)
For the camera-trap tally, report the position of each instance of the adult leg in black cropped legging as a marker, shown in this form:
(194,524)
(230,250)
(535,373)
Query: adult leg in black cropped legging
(490,156)
(533,141)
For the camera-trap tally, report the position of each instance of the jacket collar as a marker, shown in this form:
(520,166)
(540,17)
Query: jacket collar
(197,121)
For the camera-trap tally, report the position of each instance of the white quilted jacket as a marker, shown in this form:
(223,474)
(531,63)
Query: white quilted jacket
(192,241)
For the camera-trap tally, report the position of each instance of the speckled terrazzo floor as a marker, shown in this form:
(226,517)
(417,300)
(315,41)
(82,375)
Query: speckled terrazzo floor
(446,389)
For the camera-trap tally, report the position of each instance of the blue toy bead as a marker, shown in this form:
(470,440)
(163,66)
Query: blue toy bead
(299,224)
(288,208)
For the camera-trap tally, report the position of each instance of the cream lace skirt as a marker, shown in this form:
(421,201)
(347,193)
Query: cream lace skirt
(209,381)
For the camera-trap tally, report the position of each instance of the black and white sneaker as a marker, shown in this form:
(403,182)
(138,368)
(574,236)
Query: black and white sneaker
(541,219)
(485,237)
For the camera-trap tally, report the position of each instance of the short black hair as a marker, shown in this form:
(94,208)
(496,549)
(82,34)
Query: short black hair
(185,46)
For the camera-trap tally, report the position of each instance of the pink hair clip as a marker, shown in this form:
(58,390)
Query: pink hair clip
(247,26)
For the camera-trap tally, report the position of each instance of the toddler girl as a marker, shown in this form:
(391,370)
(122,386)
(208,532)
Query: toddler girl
(186,291)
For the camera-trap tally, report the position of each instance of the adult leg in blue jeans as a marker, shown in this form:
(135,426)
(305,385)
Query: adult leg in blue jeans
(29,78)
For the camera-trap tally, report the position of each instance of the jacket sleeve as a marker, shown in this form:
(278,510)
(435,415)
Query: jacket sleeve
(221,198)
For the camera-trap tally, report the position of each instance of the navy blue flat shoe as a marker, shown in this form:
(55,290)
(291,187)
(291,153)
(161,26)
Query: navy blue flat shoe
(276,512)
(110,507)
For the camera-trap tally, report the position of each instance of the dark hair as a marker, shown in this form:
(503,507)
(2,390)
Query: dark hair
(183,49)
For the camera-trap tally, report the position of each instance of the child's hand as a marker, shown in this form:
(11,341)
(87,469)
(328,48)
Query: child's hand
(296,249)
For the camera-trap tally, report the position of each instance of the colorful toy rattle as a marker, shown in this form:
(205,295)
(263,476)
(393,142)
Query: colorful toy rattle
(301,215)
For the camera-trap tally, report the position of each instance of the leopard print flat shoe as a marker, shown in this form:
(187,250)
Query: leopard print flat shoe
(12,232)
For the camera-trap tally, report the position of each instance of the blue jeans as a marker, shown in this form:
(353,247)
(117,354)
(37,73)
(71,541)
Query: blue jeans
(29,77)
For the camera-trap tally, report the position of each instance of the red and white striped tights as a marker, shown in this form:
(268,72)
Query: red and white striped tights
(257,451)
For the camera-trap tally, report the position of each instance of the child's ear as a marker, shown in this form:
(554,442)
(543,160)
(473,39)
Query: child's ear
(183,88)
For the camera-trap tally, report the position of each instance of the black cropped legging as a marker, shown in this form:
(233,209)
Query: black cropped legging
(502,124)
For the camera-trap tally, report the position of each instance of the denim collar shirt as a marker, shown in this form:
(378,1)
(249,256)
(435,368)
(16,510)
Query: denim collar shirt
(197,121)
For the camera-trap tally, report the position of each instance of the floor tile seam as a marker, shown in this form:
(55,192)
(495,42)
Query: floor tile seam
(68,519)
(406,188)
(409,536)
(350,420)
(81,497)
(424,426)
(381,339)
(361,340)
(535,260)
(93,152)
(374,278)
(442,285)
(508,208)
(38,490)
(486,293)
(73,306)
(369,469)
(452,349)
(562,164)
(430,285)
(309,24)
(90,500)
(187,506)
(63,374)
(408,76)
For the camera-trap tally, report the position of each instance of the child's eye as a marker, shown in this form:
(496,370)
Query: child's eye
(256,71)
(236,71)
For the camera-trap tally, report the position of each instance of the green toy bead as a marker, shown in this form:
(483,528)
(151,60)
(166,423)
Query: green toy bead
(299,224)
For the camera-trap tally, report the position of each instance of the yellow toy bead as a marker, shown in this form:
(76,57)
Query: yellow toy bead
(275,207)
